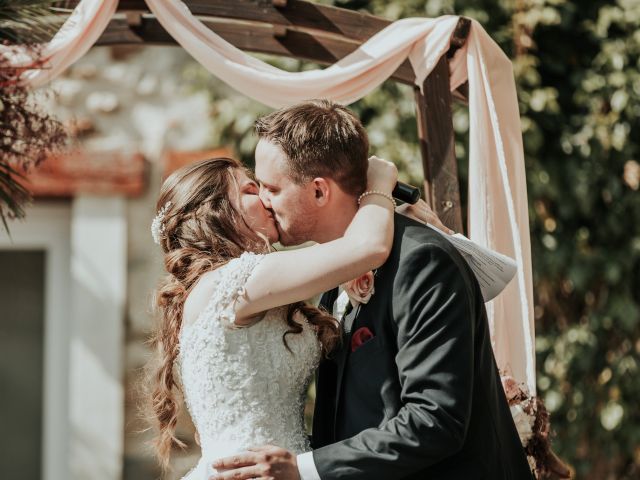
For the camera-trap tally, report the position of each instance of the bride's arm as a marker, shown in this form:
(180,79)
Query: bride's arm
(285,277)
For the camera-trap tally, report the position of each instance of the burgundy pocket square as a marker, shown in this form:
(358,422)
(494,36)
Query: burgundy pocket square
(360,337)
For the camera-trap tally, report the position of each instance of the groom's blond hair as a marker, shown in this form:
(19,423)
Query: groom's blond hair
(320,138)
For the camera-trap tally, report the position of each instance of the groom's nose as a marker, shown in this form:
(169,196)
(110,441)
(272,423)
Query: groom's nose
(264,197)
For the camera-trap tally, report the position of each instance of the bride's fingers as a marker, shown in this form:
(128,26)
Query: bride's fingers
(236,461)
(243,473)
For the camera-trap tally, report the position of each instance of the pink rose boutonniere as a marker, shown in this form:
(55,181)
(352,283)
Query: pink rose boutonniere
(360,289)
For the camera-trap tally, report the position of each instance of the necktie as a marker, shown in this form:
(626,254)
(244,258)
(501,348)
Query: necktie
(347,309)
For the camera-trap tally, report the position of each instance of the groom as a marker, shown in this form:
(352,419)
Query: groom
(415,392)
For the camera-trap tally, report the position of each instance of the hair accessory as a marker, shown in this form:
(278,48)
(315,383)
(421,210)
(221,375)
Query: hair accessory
(157,226)
(377,192)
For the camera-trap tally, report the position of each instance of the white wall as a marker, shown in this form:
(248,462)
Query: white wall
(98,291)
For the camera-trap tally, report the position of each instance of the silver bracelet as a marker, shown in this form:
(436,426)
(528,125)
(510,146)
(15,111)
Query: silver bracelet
(377,192)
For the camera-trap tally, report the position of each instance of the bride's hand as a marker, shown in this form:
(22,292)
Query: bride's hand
(381,175)
(422,213)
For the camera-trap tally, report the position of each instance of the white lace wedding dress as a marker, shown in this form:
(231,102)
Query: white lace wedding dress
(242,386)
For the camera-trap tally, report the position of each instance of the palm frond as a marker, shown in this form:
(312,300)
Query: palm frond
(28,21)
(28,132)
(12,193)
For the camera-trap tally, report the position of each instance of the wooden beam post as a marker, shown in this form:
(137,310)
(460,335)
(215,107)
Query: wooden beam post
(436,137)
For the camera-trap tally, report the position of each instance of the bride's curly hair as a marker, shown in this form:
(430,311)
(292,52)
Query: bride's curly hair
(201,232)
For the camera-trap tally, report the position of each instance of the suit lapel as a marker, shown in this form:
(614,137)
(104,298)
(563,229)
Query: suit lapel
(341,358)
(328,298)
(341,355)
(325,383)
(345,351)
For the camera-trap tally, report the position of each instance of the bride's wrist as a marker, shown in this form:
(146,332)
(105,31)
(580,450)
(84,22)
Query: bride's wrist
(368,194)
(381,185)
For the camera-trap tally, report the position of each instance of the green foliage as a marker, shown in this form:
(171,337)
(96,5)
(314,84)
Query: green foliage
(580,100)
(577,69)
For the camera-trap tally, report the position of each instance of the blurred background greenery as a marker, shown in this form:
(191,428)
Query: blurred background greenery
(577,70)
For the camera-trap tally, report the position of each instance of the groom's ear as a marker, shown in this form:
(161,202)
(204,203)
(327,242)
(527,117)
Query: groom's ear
(322,191)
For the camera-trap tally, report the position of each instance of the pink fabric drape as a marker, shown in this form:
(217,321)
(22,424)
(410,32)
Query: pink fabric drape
(498,214)
(76,36)
(498,209)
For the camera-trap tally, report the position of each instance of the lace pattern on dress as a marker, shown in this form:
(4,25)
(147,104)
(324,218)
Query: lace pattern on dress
(231,286)
(242,386)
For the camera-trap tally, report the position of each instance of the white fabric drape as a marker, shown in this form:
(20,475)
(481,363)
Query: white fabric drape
(76,36)
(498,214)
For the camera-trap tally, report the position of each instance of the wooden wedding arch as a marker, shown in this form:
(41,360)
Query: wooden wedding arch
(323,34)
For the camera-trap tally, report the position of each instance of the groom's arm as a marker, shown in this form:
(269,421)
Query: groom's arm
(432,309)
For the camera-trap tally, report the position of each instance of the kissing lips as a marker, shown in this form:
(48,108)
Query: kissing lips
(278,228)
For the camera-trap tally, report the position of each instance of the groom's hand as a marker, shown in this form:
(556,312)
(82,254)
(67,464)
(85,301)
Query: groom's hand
(266,462)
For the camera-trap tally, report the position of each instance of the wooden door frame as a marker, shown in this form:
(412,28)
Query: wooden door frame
(55,220)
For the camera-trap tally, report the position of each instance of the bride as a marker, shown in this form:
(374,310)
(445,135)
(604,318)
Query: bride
(235,335)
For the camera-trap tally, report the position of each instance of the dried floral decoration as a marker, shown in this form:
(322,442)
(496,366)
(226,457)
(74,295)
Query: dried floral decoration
(532,422)
(29,135)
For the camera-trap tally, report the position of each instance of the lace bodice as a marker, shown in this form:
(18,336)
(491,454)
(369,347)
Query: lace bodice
(241,385)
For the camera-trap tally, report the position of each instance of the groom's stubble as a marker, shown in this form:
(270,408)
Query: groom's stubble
(311,161)
(299,216)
